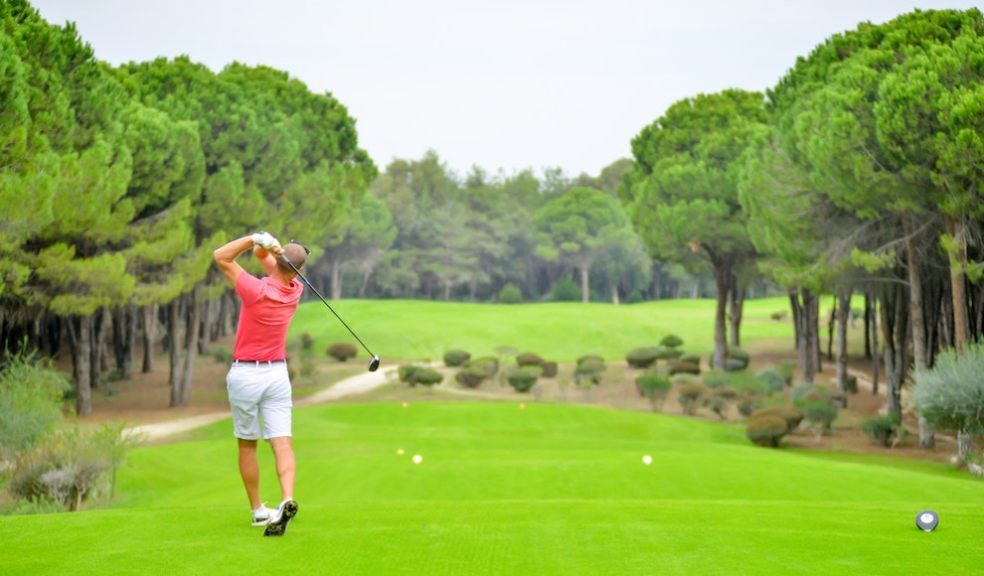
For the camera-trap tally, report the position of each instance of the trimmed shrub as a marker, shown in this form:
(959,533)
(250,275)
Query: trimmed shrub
(590,358)
(307,341)
(820,415)
(852,385)
(406,373)
(715,379)
(690,359)
(548,369)
(786,369)
(680,379)
(718,405)
(522,379)
(734,365)
(671,341)
(221,354)
(565,290)
(748,404)
(766,430)
(691,397)
(510,294)
(643,357)
(453,358)
(779,316)
(882,430)
(654,386)
(680,367)
(487,363)
(669,353)
(471,376)
(789,414)
(771,380)
(342,351)
(427,377)
(951,394)
(725,392)
(529,359)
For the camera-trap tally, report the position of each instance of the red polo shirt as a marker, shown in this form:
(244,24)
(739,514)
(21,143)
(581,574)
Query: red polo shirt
(268,307)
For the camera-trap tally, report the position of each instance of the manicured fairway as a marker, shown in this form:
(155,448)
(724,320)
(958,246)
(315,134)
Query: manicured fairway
(551,489)
(563,331)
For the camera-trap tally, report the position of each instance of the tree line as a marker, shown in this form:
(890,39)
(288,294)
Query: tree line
(860,172)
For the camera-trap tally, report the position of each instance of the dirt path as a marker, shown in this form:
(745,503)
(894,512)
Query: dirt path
(348,387)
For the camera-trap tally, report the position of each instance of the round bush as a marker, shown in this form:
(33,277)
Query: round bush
(718,405)
(671,341)
(821,415)
(882,430)
(642,357)
(529,359)
(342,351)
(679,367)
(592,358)
(951,394)
(790,415)
(510,294)
(681,379)
(590,365)
(690,359)
(725,392)
(565,290)
(427,377)
(454,358)
(766,430)
(778,316)
(307,341)
(771,381)
(715,379)
(786,369)
(487,363)
(748,404)
(691,397)
(653,383)
(471,376)
(734,365)
(522,379)
(406,373)
(548,369)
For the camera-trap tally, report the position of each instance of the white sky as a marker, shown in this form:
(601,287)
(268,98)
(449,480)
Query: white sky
(502,84)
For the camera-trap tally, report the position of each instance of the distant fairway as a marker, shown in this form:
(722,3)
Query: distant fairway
(421,329)
(552,489)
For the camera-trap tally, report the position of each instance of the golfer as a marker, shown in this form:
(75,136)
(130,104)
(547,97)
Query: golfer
(258,384)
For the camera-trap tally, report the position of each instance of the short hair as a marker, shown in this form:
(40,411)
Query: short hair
(296,254)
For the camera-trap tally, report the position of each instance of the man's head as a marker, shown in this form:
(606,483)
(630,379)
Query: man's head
(297,254)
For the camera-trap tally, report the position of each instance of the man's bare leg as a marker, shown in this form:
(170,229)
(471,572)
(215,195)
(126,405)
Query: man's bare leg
(249,469)
(283,453)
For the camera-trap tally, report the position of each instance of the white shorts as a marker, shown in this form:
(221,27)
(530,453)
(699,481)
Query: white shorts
(260,391)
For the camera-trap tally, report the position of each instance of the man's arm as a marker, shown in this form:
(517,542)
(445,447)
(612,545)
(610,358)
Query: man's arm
(267,257)
(225,257)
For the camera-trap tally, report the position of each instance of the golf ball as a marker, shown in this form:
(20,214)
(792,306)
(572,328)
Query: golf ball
(399,451)
(647,459)
(417,458)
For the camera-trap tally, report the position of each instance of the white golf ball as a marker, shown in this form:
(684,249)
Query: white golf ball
(647,459)
(399,451)
(417,458)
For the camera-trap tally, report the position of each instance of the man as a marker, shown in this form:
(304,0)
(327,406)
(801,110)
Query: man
(258,384)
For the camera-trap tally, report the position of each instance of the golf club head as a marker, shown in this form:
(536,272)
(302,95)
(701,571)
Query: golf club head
(374,363)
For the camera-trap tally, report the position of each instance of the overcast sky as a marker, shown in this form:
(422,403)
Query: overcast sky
(501,84)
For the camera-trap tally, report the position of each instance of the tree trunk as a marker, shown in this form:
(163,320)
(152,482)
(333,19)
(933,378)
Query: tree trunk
(191,345)
(736,299)
(797,314)
(843,312)
(97,347)
(874,346)
(80,331)
(174,348)
(831,320)
(867,326)
(814,331)
(722,280)
(809,341)
(584,269)
(366,273)
(958,263)
(336,282)
(208,317)
(149,337)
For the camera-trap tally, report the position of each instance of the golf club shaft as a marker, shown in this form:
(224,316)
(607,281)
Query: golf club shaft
(301,276)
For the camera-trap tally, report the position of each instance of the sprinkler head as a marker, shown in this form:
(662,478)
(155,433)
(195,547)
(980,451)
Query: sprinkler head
(374,363)
(927,520)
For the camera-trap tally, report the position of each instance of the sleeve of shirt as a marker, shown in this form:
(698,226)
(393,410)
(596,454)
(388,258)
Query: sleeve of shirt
(249,288)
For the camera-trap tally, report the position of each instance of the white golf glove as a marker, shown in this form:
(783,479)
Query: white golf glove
(266,240)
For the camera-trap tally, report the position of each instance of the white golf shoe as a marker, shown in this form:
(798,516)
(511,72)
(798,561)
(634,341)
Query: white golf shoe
(281,517)
(262,515)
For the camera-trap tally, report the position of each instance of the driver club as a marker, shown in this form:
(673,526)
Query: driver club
(374,361)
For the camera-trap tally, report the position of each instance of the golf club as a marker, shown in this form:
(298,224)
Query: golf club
(374,361)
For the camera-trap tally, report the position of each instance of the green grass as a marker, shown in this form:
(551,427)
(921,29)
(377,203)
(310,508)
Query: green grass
(421,329)
(552,489)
